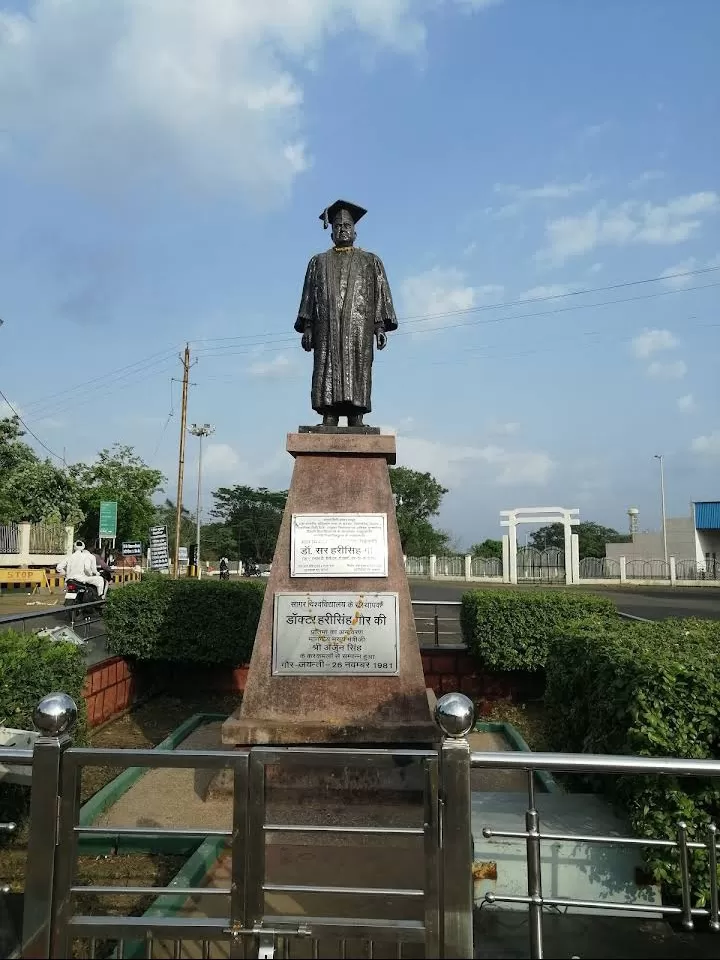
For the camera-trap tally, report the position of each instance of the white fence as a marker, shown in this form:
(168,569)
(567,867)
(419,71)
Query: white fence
(47,538)
(549,566)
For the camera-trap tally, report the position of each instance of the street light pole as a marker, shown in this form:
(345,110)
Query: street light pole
(205,430)
(659,456)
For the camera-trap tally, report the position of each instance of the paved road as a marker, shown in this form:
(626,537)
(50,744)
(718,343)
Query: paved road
(653,603)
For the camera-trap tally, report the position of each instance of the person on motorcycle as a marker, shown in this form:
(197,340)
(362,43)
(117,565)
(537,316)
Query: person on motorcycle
(81,566)
(224,568)
(105,572)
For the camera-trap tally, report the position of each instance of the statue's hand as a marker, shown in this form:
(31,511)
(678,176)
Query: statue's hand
(307,339)
(380,338)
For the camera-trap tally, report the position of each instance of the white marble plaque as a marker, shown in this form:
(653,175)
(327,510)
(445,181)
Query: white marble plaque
(335,634)
(339,545)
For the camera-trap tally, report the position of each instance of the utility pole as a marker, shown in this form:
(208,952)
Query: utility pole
(205,430)
(181,459)
(659,456)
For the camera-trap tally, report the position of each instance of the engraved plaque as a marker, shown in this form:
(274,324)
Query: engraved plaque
(335,634)
(339,545)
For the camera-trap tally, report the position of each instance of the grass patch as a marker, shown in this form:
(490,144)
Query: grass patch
(527,718)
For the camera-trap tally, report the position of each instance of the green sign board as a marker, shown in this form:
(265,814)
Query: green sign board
(108,519)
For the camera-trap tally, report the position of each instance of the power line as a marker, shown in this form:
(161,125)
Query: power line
(32,434)
(494,306)
(555,311)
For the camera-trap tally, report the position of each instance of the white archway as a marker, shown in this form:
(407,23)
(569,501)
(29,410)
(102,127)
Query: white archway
(568,518)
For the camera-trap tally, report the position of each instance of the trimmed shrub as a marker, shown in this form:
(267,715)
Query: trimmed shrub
(187,621)
(648,689)
(30,668)
(514,629)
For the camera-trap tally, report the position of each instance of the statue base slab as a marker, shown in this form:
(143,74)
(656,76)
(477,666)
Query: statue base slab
(323,428)
(336,473)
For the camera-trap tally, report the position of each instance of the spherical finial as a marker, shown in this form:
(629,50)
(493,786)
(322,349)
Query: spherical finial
(455,714)
(55,714)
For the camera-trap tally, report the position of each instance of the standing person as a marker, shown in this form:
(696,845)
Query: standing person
(81,565)
(346,307)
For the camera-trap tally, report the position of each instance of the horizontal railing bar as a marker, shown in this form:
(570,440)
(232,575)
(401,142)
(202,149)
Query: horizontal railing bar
(580,838)
(52,612)
(153,891)
(352,891)
(20,756)
(269,754)
(175,928)
(115,757)
(385,931)
(436,603)
(490,834)
(152,832)
(323,828)
(601,763)
(491,898)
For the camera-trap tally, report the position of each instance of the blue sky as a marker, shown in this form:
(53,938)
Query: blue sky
(163,164)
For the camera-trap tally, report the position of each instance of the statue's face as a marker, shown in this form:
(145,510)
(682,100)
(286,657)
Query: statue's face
(343,229)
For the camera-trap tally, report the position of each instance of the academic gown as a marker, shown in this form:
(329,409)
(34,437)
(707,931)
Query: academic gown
(345,295)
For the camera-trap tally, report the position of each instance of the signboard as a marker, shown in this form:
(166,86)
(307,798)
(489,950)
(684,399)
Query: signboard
(339,545)
(335,634)
(159,553)
(132,549)
(182,554)
(108,519)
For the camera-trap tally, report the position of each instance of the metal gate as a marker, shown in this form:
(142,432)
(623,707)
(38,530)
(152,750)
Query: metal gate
(540,565)
(429,917)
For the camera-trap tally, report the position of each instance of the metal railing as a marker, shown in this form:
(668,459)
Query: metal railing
(436,630)
(9,538)
(534,837)
(47,538)
(435,908)
(84,619)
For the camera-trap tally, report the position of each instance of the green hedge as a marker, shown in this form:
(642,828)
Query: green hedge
(514,629)
(187,621)
(649,689)
(30,668)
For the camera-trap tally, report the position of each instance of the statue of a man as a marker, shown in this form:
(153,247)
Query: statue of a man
(345,306)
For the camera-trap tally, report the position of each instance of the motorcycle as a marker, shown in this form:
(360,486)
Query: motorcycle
(224,574)
(78,592)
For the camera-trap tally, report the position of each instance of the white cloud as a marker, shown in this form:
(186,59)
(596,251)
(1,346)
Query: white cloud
(452,464)
(674,370)
(442,291)
(223,464)
(686,404)
(547,291)
(673,275)
(103,93)
(278,366)
(708,445)
(652,341)
(503,428)
(554,190)
(647,176)
(630,222)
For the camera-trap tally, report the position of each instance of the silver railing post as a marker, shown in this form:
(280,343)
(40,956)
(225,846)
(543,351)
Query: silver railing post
(55,717)
(455,715)
(534,872)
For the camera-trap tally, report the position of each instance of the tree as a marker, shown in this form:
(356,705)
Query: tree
(32,489)
(417,498)
(592,538)
(218,540)
(488,549)
(118,474)
(253,517)
(424,541)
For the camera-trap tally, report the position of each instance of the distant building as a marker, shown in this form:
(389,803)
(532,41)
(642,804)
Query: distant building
(695,537)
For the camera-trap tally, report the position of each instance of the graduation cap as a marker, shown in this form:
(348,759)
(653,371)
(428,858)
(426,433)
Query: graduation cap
(356,212)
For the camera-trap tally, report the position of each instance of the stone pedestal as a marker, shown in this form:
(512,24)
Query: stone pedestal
(336,473)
